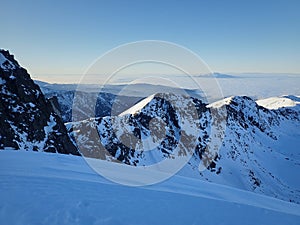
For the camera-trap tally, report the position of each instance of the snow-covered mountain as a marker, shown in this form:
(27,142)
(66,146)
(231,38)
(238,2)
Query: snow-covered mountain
(27,120)
(153,123)
(256,149)
(260,150)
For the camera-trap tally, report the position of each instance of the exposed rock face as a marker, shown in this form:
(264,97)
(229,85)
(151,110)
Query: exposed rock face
(153,123)
(27,120)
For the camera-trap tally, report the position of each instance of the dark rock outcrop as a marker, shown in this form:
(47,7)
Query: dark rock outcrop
(28,121)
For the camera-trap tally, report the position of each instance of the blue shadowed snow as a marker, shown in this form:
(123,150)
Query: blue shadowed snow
(41,188)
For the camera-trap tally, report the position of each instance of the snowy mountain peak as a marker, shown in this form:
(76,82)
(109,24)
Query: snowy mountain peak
(233,101)
(137,107)
(166,103)
(279,102)
(157,122)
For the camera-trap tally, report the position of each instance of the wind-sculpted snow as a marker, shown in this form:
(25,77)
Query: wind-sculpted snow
(41,188)
(257,150)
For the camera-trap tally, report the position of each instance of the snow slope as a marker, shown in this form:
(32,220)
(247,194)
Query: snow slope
(64,190)
(279,102)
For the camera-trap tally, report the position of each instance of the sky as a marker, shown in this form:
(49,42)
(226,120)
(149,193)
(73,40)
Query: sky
(57,38)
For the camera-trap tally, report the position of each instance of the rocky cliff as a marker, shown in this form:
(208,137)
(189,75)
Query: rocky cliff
(28,120)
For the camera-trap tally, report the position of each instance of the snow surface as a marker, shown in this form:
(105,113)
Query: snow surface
(2,59)
(277,102)
(2,81)
(137,107)
(44,188)
(220,103)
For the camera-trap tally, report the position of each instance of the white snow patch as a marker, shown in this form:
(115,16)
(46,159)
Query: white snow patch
(18,108)
(2,59)
(31,104)
(220,103)
(2,81)
(277,102)
(137,107)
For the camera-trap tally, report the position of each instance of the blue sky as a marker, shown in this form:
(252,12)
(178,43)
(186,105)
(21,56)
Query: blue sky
(65,37)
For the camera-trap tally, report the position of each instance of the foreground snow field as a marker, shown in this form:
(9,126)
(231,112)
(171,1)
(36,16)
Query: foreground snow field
(44,188)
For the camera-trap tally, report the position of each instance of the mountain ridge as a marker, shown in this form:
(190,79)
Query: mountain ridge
(28,120)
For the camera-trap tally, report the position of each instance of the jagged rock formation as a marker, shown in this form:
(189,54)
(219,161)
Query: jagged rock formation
(153,123)
(27,120)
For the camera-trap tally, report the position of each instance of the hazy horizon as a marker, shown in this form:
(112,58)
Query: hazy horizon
(69,78)
(54,37)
